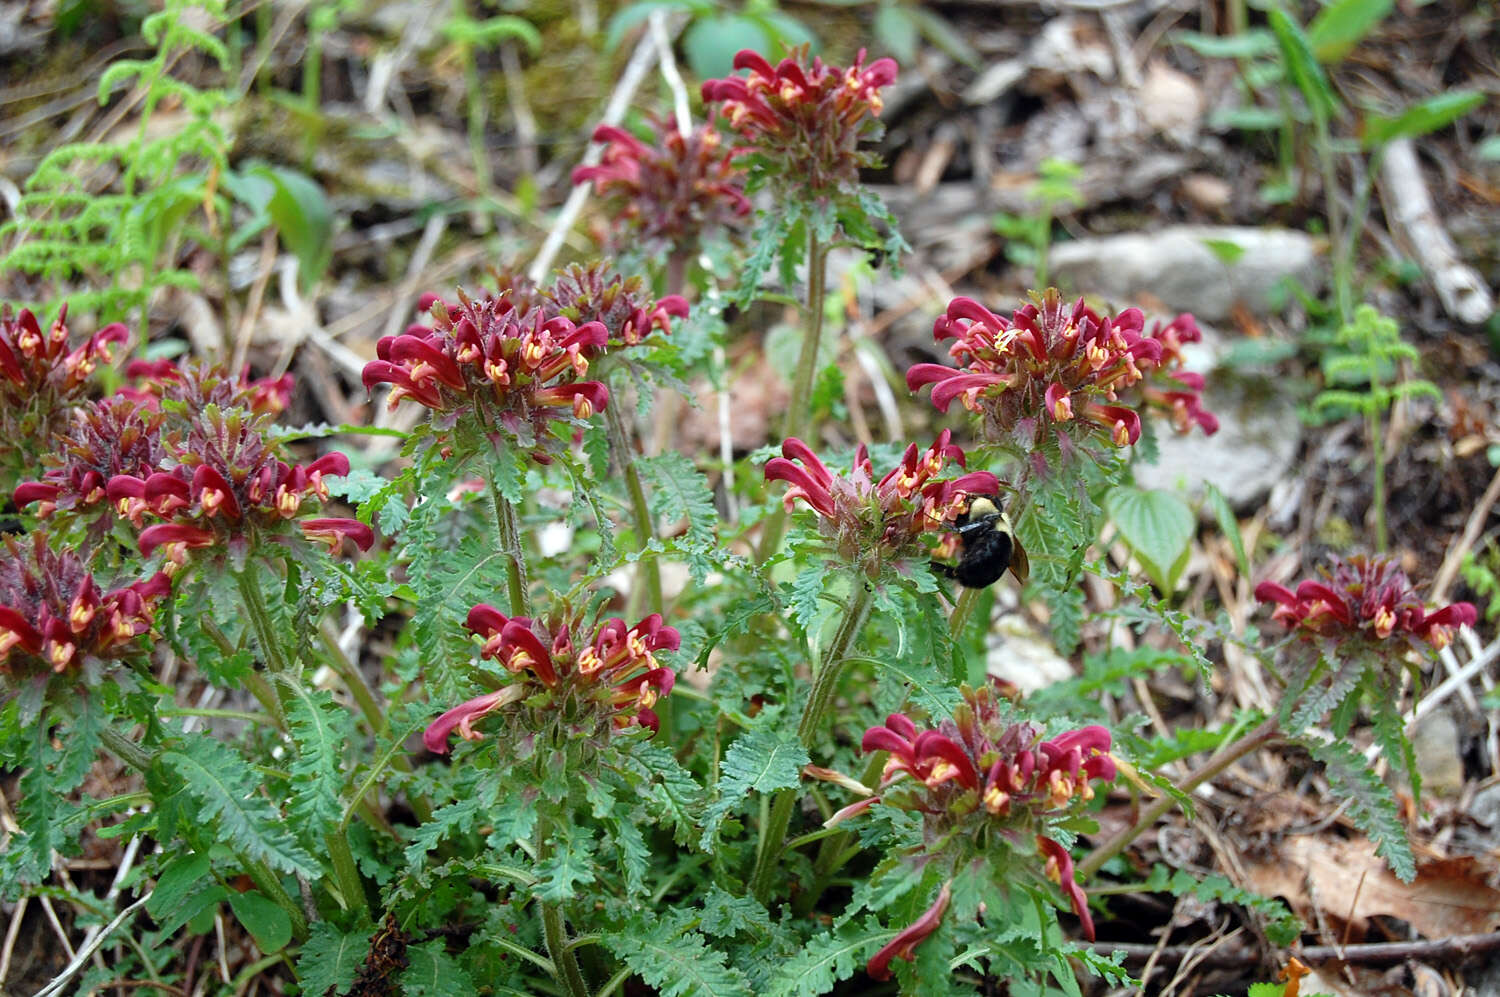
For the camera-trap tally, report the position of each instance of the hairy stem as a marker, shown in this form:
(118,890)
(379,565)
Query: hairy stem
(825,685)
(645,531)
(555,931)
(1377,452)
(266,880)
(799,405)
(510,545)
(1226,756)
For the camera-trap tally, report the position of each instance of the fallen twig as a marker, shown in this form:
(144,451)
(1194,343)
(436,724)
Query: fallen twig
(1420,230)
(1450,948)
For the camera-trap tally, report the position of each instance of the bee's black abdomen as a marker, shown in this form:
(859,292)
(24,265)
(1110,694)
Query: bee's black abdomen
(985,557)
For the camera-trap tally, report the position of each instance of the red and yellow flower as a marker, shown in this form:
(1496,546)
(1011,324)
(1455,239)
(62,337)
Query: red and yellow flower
(613,677)
(877,520)
(804,122)
(54,616)
(1050,365)
(981,773)
(1363,598)
(667,195)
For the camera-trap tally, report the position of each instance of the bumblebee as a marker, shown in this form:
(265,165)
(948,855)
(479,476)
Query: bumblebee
(988,546)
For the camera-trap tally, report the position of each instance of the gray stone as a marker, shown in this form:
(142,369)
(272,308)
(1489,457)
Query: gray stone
(1256,445)
(1178,267)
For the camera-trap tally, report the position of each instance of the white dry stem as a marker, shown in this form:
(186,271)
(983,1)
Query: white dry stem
(1443,690)
(1420,230)
(614,112)
(657,25)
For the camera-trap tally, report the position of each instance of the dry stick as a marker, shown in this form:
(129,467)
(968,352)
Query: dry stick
(86,952)
(614,112)
(1460,288)
(1221,760)
(1451,947)
(657,26)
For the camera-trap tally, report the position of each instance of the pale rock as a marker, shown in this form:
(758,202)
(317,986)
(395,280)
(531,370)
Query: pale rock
(1435,741)
(1207,192)
(1171,102)
(1016,653)
(1177,266)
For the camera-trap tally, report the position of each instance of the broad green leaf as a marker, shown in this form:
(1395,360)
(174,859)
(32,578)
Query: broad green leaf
(1342,25)
(896,30)
(1302,65)
(1158,526)
(636,14)
(1488,149)
(710,43)
(303,219)
(1226,250)
(267,923)
(1424,118)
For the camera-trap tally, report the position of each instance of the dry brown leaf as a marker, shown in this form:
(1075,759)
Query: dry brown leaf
(1348,884)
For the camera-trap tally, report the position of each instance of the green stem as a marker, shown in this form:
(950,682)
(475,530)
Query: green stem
(962,610)
(510,545)
(125,749)
(834,852)
(1226,756)
(1343,277)
(1377,451)
(825,686)
(260,621)
(619,442)
(555,932)
(346,874)
(354,681)
(799,405)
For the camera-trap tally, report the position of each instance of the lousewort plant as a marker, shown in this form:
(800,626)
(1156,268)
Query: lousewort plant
(523,690)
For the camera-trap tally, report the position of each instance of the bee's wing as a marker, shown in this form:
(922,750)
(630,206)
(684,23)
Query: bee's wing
(1020,565)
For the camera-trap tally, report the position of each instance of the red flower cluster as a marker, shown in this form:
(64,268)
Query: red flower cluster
(666,196)
(53,614)
(1363,598)
(882,518)
(979,767)
(1049,364)
(508,369)
(111,437)
(599,294)
(806,121)
(614,675)
(41,379)
(226,488)
(198,385)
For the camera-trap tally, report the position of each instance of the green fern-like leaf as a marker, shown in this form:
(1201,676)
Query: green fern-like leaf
(320,729)
(1372,806)
(225,791)
(827,959)
(432,972)
(1282,926)
(673,962)
(680,491)
(673,797)
(1327,695)
(330,958)
(762,759)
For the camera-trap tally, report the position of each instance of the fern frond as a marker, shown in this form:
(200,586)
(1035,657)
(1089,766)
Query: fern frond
(225,790)
(1372,805)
